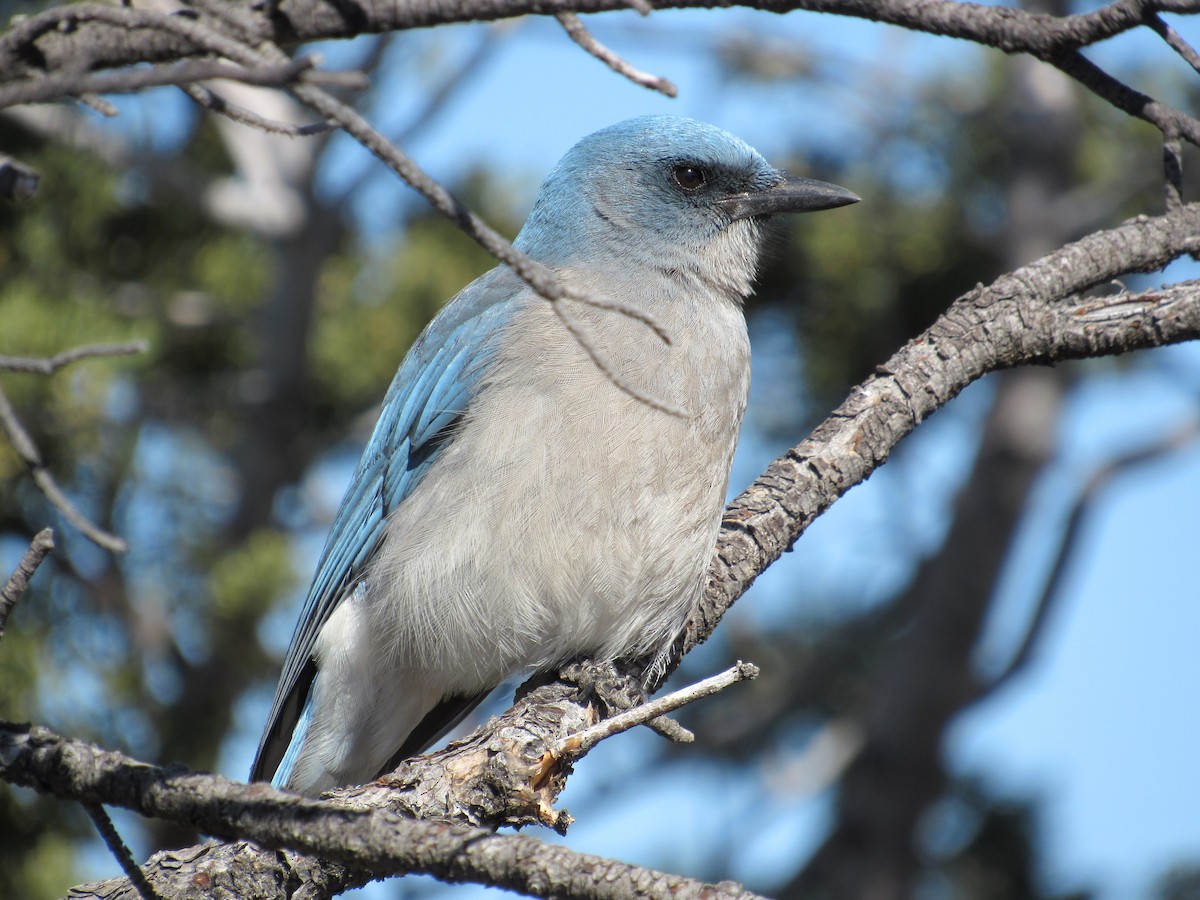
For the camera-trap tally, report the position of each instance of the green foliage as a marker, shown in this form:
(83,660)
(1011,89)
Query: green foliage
(371,306)
(367,316)
(249,579)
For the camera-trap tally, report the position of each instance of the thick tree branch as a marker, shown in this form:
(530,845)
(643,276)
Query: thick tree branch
(1008,29)
(376,841)
(1023,317)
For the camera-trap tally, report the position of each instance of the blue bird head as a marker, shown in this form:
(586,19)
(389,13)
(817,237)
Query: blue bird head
(668,192)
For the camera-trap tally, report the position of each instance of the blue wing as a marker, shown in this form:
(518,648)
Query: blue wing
(430,392)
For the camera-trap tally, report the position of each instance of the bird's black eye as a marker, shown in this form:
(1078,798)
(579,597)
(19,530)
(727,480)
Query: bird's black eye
(689,177)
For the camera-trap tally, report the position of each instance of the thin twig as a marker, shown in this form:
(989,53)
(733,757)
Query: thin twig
(1069,541)
(117,847)
(17,180)
(29,454)
(437,99)
(1172,172)
(99,104)
(1174,39)
(47,365)
(533,273)
(214,102)
(626,309)
(1125,98)
(578,744)
(39,548)
(50,87)
(578,32)
(585,342)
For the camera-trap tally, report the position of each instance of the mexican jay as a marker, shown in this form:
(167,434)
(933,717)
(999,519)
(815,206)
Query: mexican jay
(516,508)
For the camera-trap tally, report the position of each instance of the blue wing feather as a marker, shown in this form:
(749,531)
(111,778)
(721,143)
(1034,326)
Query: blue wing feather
(432,389)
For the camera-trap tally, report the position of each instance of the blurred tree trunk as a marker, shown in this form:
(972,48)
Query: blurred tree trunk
(926,677)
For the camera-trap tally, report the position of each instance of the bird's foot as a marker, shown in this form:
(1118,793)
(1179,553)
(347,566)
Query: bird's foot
(614,689)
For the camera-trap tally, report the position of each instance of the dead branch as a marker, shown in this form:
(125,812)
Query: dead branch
(368,840)
(39,549)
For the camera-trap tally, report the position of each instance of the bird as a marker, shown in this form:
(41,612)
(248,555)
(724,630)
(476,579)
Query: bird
(533,493)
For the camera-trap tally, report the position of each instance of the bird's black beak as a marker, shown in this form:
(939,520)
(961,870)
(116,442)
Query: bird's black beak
(791,195)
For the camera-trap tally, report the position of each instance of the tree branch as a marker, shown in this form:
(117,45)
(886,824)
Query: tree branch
(48,365)
(575,746)
(1069,540)
(578,32)
(39,548)
(28,451)
(127,81)
(1005,28)
(17,180)
(1023,317)
(369,840)
(116,846)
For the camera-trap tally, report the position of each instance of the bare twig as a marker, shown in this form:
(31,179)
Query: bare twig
(17,180)
(584,340)
(99,104)
(625,309)
(1125,98)
(214,102)
(436,101)
(533,273)
(1069,540)
(1174,39)
(50,364)
(39,548)
(75,84)
(578,744)
(1172,172)
(380,842)
(117,847)
(536,275)
(576,30)
(1018,319)
(29,454)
